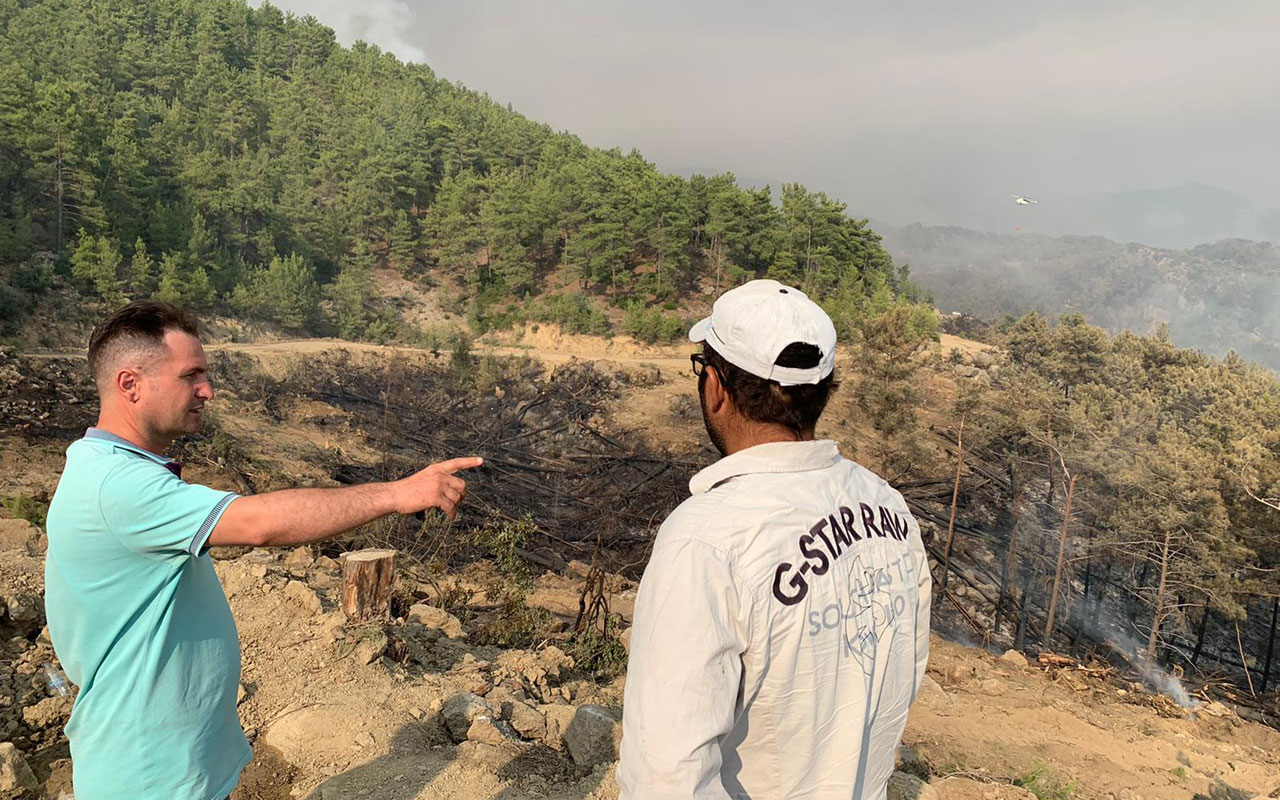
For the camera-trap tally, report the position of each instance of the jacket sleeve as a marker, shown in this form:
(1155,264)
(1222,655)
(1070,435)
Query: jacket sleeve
(684,673)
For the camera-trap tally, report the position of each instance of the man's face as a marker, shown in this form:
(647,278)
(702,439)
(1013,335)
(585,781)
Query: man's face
(712,421)
(175,386)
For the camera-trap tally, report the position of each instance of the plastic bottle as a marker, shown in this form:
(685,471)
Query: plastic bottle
(57,680)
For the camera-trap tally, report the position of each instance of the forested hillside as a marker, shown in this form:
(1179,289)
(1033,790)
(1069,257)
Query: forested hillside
(1216,297)
(238,159)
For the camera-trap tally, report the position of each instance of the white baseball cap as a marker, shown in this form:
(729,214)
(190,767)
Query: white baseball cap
(752,324)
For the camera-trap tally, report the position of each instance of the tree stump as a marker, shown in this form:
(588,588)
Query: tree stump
(366,584)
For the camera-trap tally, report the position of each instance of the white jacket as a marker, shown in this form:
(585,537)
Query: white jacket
(781,631)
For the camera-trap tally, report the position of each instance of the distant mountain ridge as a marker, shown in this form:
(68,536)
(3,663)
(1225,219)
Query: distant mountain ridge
(1215,297)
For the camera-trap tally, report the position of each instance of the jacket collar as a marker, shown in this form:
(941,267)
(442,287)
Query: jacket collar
(769,457)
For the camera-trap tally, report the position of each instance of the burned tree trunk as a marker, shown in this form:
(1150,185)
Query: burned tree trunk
(1157,616)
(1011,556)
(1204,622)
(955,499)
(1271,643)
(366,583)
(1062,551)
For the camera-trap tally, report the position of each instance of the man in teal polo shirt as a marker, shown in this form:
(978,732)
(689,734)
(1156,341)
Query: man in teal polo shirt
(136,613)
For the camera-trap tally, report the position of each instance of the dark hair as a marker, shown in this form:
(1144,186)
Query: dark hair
(141,323)
(760,400)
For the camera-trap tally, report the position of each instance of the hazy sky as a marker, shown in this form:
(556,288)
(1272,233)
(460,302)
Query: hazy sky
(934,111)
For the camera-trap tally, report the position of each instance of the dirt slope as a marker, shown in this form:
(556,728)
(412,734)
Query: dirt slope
(337,711)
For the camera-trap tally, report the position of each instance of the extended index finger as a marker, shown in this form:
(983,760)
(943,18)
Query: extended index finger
(454,464)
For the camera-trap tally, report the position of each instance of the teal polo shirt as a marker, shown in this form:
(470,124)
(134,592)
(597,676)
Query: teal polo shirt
(141,625)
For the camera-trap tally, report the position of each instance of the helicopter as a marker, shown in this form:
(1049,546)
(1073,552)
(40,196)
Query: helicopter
(1024,201)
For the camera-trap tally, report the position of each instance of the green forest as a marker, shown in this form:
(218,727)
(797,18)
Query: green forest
(239,160)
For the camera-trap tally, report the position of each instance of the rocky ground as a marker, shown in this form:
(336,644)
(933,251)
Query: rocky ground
(435,703)
(411,709)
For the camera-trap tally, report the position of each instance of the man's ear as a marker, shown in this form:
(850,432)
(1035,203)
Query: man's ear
(717,397)
(127,383)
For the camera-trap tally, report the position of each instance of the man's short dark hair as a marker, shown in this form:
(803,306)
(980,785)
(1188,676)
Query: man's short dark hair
(795,407)
(140,325)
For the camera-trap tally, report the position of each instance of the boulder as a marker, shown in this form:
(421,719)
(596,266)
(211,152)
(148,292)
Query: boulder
(437,619)
(299,557)
(16,779)
(25,612)
(48,713)
(932,694)
(18,534)
(625,639)
(460,711)
(487,730)
(1015,658)
(903,786)
(593,736)
(370,647)
(528,721)
(992,687)
(966,371)
(558,718)
(303,595)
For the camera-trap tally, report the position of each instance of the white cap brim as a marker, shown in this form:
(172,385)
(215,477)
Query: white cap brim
(700,329)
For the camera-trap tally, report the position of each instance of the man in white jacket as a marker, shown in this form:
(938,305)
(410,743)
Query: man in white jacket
(782,625)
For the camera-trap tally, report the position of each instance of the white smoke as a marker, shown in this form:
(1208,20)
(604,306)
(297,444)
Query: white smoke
(379,22)
(1152,673)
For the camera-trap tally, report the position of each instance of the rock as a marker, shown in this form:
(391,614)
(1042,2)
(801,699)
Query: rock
(298,557)
(528,722)
(966,371)
(370,647)
(932,694)
(17,534)
(16,780)
(910,762)
(460,710)
(558,718)
(625,639)
(969,789)
(593,736)
(1015,658)
(984,359)
(241,694)
(325,563)
(364,740)
(487,730)
(49,712)
(316,734)
(302,594)
(490,758)
(429,616)
(992,687)
(25,612)
(908,787)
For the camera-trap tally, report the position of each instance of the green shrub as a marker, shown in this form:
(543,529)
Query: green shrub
(1044,783)
(513,623)
(652,325)
(27,508)
(574,313)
